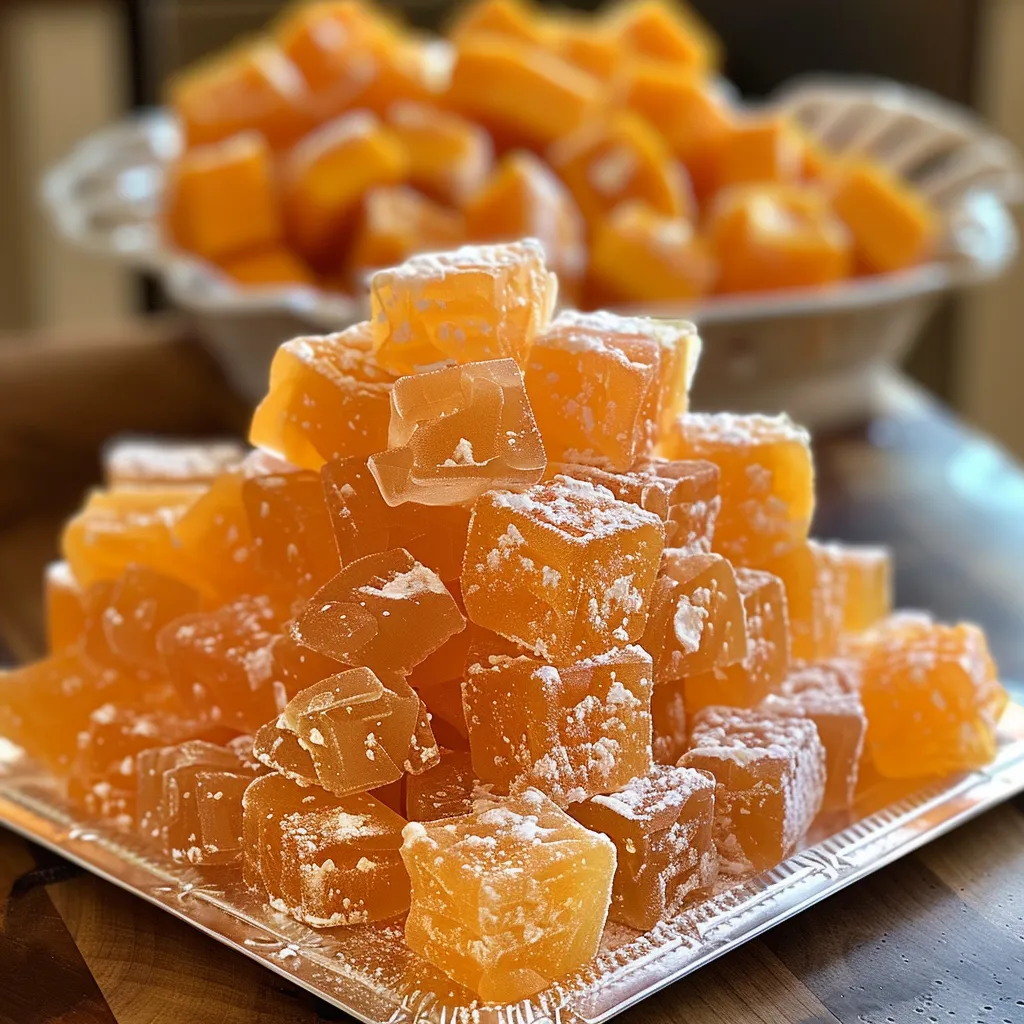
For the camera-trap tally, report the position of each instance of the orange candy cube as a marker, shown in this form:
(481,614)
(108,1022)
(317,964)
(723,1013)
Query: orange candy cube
(936,685)
(696,619)
(384,610)
(511,18)
(664,31)
(444,791)
(766,238)
(759,149)
(504,936)
(457,432)
(661,824)
(65,614)
(892,226)
(593,48)
(326,174)
(475,303)
(135,462)
(770,775)
(767,480)
(562,569)
(669,728)
(278,266)
(571,732)
(867,586)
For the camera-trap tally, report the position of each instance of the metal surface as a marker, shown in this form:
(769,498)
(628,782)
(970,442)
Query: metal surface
(370,973)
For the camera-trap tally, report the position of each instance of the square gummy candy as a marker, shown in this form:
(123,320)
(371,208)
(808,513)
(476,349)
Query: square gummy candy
(867,585)
(669,728)
(770,775)
(696,617)
(828,693)
(571,732)
(508,898)
(563,569)
(444,791)
(325,860)
(457,432)
(475,303)
(384,610)
(661,824)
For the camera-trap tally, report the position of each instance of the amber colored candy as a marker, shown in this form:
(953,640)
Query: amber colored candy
(364,524)
(443,702)
(65,615)
(252,87)
(448,156)
(661,824)
(867,586)
(828,693)
(759,149)
(767,480)
(745,683)
(669,728)
(328,398)
(562,569)
(594,384)
(593,48)
(571,732)
(892,226)
(523,198)
(770,775)
(444,791)
(457,432)
(640,256)
(279,749)
(510,18)
(696,616)
(396,222)
(475,303)
(325,860)
(523,95)
(619,159)
(479,910)
(291,529)
(144,462)
(384,610)
(326,174)
(932,697)
(771,237)
(268,267)
(221,662)
(664,31)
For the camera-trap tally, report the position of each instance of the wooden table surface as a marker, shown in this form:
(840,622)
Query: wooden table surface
(938,936)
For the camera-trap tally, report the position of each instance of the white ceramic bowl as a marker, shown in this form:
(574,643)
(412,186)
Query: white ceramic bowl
(811,352)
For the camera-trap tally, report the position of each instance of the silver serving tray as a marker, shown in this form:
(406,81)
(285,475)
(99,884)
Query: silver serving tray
(369,972)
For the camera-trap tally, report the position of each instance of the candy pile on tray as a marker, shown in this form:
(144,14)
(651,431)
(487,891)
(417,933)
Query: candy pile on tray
(340,142)
(487,629)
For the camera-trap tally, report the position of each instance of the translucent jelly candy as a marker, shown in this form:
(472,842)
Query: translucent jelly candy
(291,529)
(936,685)
(385,610)
(523,198)
(766,238)
(640,256)
(509,898)
(571,732)
(594,384)
(274,266)
(684,495)
(223,199)
(696,616)
(812,573)
(745,683)
(65,615)
(278,749)
(325,860)
(867,586)
(448,156)
(394,223)
(364,524)
(666,32)
(828,693)
(328,398)
(523,95)
(476,303)
(444,791)
(617,159)
(584,44)
(669,729)
(147,463)
(767,480)
(661,826)
(190,798)
(457,432)
(447,714)
(498,17)
(770,774)
(221,661)
(327,173)
(563,568)
(892,226)
(358,732)
(759,149)
(297,666)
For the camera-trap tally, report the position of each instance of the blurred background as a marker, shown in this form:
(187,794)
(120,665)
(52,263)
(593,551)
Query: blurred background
(68,67)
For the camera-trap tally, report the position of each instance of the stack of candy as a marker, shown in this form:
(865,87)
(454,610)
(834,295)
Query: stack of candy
(515,644)
(340,142)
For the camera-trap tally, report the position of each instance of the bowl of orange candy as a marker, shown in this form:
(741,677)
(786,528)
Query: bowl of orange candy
(808,237)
